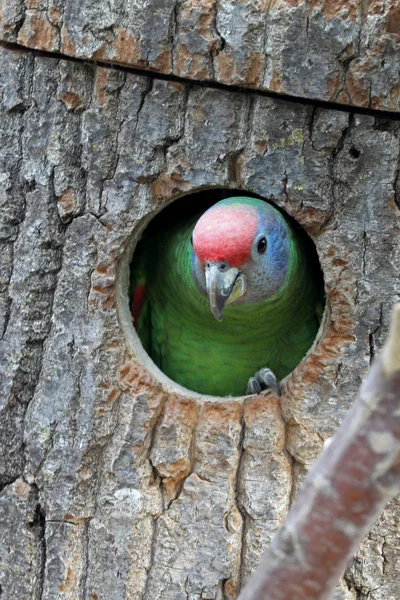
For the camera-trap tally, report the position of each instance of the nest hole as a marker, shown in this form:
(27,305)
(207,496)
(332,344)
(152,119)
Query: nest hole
(176,330)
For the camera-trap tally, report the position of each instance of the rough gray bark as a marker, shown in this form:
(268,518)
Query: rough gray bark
(332,50)
(116,482)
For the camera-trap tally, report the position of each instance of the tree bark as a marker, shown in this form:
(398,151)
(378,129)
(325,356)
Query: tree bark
(346,52)
(116,481)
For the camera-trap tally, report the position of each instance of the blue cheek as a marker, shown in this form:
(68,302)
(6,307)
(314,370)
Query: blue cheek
(269,270)
(280,257)
(278,252)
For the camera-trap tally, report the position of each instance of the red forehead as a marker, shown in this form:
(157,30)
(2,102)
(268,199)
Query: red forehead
(225,233)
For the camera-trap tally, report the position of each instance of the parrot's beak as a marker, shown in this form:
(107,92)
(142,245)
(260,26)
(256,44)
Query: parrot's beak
(224,286)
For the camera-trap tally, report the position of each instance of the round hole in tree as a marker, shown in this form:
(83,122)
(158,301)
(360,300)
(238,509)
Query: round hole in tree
(226,292)
(354,153)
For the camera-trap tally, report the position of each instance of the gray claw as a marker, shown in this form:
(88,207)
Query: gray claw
(253,387)
(263,380)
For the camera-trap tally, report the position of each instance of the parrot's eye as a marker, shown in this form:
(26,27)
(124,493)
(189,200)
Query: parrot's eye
(262,245)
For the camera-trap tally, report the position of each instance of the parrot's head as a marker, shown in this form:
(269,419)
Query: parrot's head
(241,252)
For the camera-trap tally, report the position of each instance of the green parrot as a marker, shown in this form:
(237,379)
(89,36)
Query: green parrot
(226,302)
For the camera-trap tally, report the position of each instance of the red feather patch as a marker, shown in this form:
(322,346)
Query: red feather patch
(225,233)
(138,300)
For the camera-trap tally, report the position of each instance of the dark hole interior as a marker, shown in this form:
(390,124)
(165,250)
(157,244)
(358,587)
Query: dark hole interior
(354,153)
(192,358)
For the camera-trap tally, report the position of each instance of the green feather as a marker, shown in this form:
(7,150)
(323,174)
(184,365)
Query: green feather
(189,345)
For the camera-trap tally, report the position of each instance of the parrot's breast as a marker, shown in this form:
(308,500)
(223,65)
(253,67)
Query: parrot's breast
(218,358)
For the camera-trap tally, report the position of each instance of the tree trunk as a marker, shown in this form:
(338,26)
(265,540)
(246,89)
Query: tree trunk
(116,482)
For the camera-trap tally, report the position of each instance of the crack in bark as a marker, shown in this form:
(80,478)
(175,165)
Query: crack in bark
(310,124)
(100,209)
(74,407)
(172,141)
(38,526)
(364,253)
(292,463)
(157,478)
(371,336)
(363,267)
(85,561)
(217,6)
(344,74)
(233,157)
(148,89)
(222,589)
(352,109)
(9,482)
(222,42)
(114,414)
(340,144)
(116,144)
(9,298)
(18,24)
(93,269)
(173,29)
(332,164)
(192,453)
(337,374)
(396,187)
(265,40)
(241,509)
(152,556)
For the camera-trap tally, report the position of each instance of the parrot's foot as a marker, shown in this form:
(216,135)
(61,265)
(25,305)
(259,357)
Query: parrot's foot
(263,380)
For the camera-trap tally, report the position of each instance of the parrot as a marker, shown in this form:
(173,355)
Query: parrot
(226,302)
